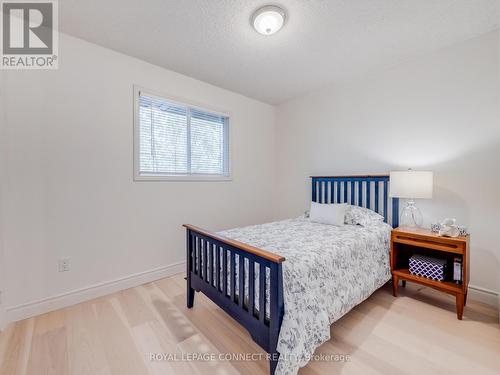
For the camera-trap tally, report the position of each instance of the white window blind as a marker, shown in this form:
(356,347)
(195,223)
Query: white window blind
(180,140)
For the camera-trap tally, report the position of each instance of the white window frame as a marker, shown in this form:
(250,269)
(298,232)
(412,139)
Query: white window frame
(177,177)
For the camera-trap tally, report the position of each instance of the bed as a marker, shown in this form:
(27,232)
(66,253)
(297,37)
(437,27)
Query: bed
(287,281)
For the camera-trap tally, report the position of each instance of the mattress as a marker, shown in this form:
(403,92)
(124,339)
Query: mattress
(328,270)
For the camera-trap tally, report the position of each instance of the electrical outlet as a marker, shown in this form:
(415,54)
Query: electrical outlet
(63,264)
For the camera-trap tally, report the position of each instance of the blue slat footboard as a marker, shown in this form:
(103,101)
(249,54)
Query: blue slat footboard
(238,262)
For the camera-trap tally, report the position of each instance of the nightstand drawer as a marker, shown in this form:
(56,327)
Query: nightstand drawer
(443,244)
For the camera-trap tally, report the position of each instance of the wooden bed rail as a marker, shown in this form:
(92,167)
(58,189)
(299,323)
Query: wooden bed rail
(240,245)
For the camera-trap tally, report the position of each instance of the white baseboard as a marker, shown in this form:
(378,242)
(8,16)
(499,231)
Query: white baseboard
(487,296)
(73,297)
(27,310)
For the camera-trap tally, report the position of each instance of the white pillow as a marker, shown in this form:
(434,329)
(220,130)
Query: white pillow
(361,215)
(332,214)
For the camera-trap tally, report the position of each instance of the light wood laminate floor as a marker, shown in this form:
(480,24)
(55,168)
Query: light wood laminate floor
(416,333)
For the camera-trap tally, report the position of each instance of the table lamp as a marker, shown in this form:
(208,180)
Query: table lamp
(411,185)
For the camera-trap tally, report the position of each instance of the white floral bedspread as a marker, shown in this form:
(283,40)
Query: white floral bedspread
(328,270)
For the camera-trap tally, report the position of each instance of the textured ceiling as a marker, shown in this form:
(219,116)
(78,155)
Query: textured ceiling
(322,42)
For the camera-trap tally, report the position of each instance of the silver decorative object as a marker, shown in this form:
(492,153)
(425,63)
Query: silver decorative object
(435,227)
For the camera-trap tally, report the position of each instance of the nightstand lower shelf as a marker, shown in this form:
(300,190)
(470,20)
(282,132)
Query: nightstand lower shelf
(404,274)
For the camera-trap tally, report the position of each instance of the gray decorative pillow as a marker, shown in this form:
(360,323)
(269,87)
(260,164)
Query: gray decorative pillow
(360,215)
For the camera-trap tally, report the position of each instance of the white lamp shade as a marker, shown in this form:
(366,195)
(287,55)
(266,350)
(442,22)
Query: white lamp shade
(411,184)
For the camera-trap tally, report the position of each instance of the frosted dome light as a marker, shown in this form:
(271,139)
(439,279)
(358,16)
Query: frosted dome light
(268,20)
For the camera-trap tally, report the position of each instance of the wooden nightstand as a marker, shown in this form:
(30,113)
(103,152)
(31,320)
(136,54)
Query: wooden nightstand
(406,242)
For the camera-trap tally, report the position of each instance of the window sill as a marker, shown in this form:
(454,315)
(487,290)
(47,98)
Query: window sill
(182,178)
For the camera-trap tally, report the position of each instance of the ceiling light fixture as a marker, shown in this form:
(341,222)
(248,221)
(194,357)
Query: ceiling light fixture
(268,20)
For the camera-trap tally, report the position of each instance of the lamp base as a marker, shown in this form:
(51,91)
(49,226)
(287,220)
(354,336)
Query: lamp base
(411,217)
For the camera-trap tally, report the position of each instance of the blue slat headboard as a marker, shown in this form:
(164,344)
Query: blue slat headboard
(370,191)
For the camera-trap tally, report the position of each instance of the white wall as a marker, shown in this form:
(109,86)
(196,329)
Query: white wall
(68,144)
(439,112)
(70,181)
(2,200)
(498,272)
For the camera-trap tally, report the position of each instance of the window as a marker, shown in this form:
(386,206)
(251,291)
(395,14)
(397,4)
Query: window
(178,141)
